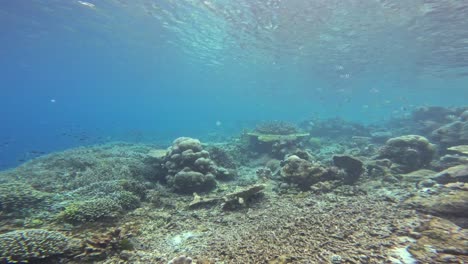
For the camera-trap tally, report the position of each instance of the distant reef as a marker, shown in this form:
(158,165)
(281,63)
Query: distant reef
(321,191)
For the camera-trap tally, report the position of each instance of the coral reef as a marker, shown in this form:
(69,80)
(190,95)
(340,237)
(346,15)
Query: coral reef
(222,157)
(333,128)
(409,152)
(31,244)
(275,138)
(353,167)
(276,128)
(101,200)
(343,196)
(190,168)
(103,245)
(17,197)
(99,208)
(302,172)
(188,181)
(71,169)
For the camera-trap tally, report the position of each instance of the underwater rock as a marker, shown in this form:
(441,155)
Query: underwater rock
(302,172)
(324,186)
(275,138)
(224,174)
(381,136)
(334,128)
(157,153)
(450,160)
(240,198)
(444,204)
(190,168)
(435,113)
(462,149)
(440,241)
(409,152)
(418,176)
(452,134)
(222,157)
(457,173)
(102,245)
(187,181)
(352,166)
(231,201)
(379,168)
(464,116)
(180,260)
(275,145)
(203,202)
(31,244)
(276,128)
(156,160)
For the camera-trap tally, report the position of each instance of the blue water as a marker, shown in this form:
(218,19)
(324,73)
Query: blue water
(79,73)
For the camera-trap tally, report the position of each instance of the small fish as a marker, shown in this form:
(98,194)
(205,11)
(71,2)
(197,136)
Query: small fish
(87,4)
(345,76)
(341,90)
(37,152)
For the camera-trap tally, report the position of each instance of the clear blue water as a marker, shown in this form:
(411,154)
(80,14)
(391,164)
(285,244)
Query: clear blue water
(83,72)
